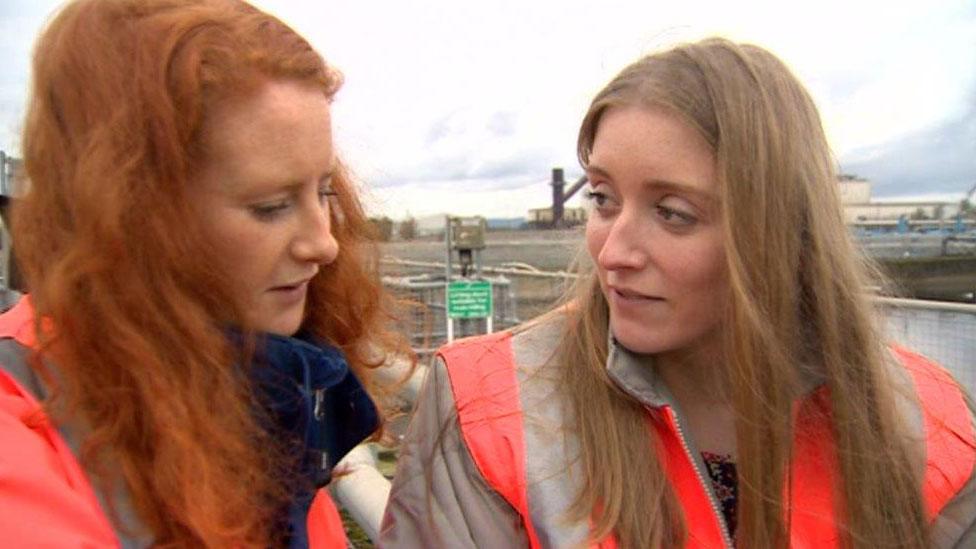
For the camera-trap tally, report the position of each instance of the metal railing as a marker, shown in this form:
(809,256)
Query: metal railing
(510,269)
(944,332)
(423,313)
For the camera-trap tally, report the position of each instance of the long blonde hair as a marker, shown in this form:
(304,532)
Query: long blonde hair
(797,297)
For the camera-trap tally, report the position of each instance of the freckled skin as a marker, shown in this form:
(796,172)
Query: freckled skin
(655,233)
(263,197)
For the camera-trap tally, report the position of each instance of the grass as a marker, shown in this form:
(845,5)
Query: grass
(357,538)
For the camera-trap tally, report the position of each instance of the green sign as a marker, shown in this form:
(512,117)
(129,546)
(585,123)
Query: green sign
(469,299)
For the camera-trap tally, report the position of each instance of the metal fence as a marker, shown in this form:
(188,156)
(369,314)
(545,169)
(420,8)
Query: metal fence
(423,310)
(944,332)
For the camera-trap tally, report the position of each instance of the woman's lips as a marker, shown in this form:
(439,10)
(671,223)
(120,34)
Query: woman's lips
(628,302)
(630,295)
(291,293)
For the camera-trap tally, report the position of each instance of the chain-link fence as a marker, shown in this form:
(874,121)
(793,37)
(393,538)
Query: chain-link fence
(944,332)
(423,310)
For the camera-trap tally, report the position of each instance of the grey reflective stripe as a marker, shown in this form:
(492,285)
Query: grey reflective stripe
(13,360)
(8,298)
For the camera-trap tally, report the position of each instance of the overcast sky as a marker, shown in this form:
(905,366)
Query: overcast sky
(464,107)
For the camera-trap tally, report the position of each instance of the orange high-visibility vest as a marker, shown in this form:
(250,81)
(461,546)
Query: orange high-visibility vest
(482,374)
(45,495)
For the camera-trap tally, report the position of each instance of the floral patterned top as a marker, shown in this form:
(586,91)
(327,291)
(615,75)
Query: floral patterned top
(725,484)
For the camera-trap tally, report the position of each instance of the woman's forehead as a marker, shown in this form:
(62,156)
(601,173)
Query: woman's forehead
(280,135)
(654,146)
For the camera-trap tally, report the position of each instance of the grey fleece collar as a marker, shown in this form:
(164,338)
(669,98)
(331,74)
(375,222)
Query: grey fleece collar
(634,373)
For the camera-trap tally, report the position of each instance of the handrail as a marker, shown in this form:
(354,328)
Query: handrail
(389,260)
(955,238)
(924,304)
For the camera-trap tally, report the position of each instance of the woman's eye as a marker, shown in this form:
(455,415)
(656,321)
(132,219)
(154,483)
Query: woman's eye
(597,198)
(601,199)
(676,217)
(269,211)
(326,192)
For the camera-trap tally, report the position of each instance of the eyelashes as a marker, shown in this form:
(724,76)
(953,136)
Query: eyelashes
(272,211)
(269,212)
(596,198)
(674,218)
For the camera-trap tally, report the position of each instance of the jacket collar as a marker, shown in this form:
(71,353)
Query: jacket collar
(314,403)
(311,396)
(634,373)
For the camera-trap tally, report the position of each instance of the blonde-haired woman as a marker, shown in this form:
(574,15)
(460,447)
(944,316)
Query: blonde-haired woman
(718,380)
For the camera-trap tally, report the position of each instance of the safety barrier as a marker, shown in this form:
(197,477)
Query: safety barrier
(944,332)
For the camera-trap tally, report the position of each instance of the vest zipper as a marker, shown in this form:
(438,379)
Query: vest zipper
(726,537)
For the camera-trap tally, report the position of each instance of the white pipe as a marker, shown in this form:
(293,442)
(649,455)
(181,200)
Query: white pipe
(362,490)
(395,370)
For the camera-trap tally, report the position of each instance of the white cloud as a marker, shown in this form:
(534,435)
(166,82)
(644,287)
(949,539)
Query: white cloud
(489,94)
(467,197)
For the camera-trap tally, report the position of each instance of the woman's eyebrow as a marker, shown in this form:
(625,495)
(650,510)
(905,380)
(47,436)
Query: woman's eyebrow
(658,183)
(597,170)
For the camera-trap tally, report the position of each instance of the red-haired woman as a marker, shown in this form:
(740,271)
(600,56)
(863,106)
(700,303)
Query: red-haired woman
(193,356)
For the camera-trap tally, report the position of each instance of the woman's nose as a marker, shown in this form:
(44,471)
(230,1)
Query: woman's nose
(624,245)
(315,242)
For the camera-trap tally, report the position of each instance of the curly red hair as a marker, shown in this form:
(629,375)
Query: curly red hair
(114,258)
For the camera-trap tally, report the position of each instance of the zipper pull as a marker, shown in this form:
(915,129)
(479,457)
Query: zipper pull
(319,411)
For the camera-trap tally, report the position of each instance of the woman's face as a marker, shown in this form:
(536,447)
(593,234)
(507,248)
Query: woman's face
(654,231)
(263,195)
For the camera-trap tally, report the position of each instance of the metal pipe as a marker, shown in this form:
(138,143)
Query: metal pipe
(576,186)
(942,306)
(396,370)
(491,270)
(362,490)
